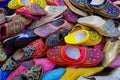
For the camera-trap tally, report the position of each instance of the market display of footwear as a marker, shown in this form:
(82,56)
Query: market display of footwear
(59,39)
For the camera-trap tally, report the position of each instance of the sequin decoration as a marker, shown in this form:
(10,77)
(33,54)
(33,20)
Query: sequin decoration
(109,10)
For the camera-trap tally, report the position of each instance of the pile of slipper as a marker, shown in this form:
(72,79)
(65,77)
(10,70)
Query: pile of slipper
(59,40)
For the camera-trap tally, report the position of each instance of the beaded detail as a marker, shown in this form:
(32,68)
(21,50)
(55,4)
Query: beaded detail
(10,64)
(54,54)
(54,39)
(94,56)
(34,73)
(14,27)
(94,37)
(109,10)
(44,30)
(109,27)
(28,52)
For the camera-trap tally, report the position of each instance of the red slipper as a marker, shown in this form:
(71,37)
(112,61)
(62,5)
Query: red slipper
(75,55)
(40,48)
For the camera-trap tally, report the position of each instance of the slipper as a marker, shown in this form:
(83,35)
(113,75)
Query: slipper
(17,58)
(104,27)
(35,73)
(70,16)
(102,7)
(81,4)
(15,17)
(33,11)
(57,37)
(40,48)
(78,27)
(4,3)
(54,13)
(24,66)
(74,73)
(55,74)
(26,37)
(47,29)
(115,63)
(114,75)
(111,50)
(2,15)
(15,4)
(105,8)
(74,55)
(74,9)
(4,74)
(83,37)
(11,28)
(101,45)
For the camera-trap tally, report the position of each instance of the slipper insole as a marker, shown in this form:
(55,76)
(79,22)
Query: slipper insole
(73,52)
(28,64)
(18,55)
(26,2)
(97,2)
(80,35)
(58,23)
(92,20)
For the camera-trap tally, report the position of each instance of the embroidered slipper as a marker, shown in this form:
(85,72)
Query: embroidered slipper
(65,55)
(17,58)
(24,66)
(54,13)
(35,73)
(105,8)
(15,4)
(70,16)
(58,73)
(57,37)
(74,9)
(111,50)
(83,37)
(78,27)
(81,4)
(32,10)
(11,28)
(24,19)
(47,29)
(40,48)
(104,27)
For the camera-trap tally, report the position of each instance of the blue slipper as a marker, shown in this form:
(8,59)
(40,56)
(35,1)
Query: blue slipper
(55,74)
(4,74)
(4,3)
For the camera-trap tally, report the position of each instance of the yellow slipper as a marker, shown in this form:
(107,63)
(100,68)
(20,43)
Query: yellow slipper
(78,27)
(83,37)
(15,4)
(74,73)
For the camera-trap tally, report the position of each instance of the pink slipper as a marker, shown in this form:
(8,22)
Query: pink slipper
(115,63)
(70,16)
(101,45)
(45,30)
(47,66)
